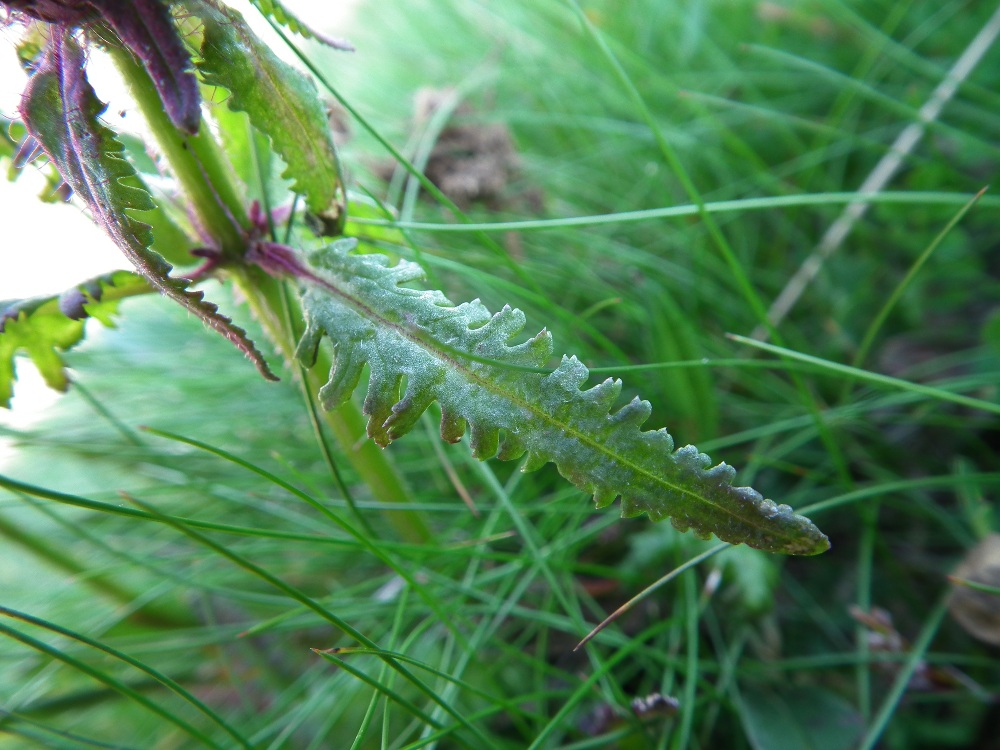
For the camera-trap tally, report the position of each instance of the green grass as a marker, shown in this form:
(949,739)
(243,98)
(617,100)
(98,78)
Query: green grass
(713,146)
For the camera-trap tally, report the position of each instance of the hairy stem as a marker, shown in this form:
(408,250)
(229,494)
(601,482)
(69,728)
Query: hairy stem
(205,176)
(195,160)
(347,423)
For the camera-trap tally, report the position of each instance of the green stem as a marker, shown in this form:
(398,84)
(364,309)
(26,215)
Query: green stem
(196,161)
(206,177)
(263,294)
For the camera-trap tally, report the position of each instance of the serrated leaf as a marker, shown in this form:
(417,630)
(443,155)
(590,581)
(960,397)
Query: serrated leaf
(60,111)
(170,240)
(452,354)
(281,102)
(276,11)
(42,327)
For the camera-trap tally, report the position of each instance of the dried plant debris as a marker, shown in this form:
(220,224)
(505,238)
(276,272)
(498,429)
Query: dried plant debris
(471,161)
(885,640)
(606,718)
(977,610)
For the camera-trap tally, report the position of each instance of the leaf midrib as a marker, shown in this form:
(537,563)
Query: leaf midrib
(755,521)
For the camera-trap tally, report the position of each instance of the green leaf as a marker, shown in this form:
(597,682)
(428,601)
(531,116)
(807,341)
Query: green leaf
(42,327)
(60,110)
(281,101)
(753,576)
(460,357)
(800,718)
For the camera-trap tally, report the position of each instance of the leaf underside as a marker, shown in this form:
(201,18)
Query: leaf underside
(43,327)
(60,111)
(511,411)
(281,102)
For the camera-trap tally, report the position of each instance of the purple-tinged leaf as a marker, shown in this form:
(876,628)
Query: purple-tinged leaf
(147,29)
(67,12)
(16,147)
(60,110)
(27,151)
(20,149)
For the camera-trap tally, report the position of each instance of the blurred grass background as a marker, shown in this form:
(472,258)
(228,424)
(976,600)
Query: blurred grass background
(755,100)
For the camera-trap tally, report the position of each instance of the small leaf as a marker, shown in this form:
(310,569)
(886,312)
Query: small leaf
(60,110)
(751,577)
(281,101)
(460,357)
(801,718)
(42,327)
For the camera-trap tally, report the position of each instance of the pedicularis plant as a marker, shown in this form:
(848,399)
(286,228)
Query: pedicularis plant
(461,356)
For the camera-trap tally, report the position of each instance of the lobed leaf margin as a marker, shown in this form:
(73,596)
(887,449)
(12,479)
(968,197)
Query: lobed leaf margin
(512,410)
(281,102)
